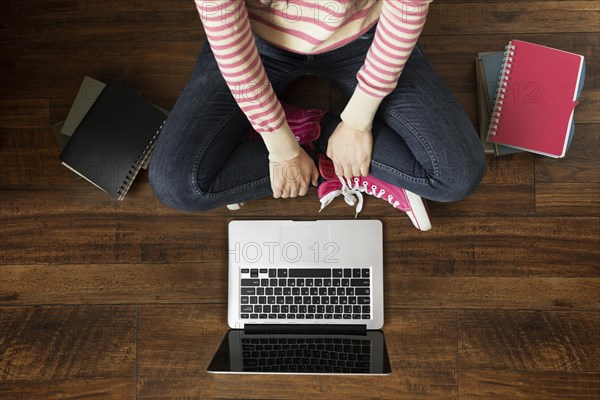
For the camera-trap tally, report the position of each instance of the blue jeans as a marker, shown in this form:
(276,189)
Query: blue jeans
(422,139)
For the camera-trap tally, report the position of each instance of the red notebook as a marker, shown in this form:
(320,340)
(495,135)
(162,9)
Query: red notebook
(536,98)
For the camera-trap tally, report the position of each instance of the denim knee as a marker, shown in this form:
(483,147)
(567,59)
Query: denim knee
(175,188)
(461,178)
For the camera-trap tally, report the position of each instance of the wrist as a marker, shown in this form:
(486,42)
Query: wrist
(350,128)
(281,144)
(360,110)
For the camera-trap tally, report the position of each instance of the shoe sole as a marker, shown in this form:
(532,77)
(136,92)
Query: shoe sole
(419,213)
(234,206)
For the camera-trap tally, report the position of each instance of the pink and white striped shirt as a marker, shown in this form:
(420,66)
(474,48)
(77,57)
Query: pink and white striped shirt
(308,27)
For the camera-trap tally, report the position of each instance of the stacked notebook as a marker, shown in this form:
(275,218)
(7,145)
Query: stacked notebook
(113,137)
(527,98)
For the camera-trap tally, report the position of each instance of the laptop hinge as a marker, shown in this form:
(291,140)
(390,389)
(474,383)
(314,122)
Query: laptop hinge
(305,328)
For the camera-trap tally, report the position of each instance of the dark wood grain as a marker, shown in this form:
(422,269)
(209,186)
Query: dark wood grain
(117,283)
(207,283)
(581,164)
(402,385)
(518,17)
(108,389)
(568,199)
(550,385)
(558,246)
(28,151)
(530,340)
(49,343)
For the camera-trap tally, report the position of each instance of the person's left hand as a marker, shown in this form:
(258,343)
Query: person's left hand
(350,149)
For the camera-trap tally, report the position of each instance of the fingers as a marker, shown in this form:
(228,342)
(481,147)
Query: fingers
(349,171)
(339,169)
(303,189)
(315,176)
(277,190)
(364,169)
(298,187)
(345,170)
(293,178)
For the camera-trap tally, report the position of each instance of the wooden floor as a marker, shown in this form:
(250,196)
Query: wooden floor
(107,300)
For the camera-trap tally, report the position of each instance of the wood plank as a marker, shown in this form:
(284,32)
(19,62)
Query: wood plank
(493,293)
(155,68)
(455,245)
(113,284)
(101,22)
(30,157)
(494,384)
(28,151)
(520,246)
(49,343)
(444,17)
(581,164)
(513,17)
(404,384)
(176,344)
(529,340)
(413,384)
(23,113)
(567,199)
(68,389)
(487,201)
(510,169)
(196,283)
(45,240)
(587,109)
(523,246)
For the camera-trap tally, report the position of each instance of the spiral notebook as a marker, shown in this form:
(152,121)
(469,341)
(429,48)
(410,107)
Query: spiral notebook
(536,99)
(114,139)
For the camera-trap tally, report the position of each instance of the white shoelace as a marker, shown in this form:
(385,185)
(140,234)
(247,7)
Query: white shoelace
(351,196)
(349,191)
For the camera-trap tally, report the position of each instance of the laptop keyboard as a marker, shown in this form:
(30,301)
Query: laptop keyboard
(305,293)
(306,355)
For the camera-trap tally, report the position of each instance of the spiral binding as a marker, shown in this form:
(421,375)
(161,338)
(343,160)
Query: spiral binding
(137,165)
(507,60)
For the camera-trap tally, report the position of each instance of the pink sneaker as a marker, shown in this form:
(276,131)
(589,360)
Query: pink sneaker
(305,124)
(352,190)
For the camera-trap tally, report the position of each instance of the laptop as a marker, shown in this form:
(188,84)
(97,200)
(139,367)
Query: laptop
(305,297)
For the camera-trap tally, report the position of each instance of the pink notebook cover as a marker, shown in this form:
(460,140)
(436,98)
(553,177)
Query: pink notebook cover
(534,112)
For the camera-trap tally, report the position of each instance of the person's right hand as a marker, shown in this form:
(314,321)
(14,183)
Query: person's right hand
(350,149)
(291,178)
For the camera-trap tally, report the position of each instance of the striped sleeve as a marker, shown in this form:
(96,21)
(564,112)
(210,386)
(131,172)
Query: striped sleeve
(232,42)
(398,29)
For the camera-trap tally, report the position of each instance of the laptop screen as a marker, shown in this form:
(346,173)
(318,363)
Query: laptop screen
(362,354)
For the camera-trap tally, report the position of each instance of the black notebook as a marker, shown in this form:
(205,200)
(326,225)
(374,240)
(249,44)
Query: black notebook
(114,139)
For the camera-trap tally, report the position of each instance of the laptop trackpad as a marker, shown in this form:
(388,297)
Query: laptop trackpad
(303,242)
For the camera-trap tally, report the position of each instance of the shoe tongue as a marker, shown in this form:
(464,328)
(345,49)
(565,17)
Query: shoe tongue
(326,168)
